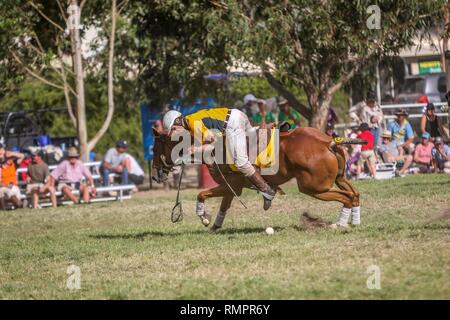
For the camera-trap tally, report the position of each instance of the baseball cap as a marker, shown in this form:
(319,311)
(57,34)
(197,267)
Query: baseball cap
(250,98)
(438,140)
(426,135)
(430,106)
(371,96)
(364,126)
(122,144)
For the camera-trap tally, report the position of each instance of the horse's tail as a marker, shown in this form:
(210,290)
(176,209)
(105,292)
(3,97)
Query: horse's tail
(340,141)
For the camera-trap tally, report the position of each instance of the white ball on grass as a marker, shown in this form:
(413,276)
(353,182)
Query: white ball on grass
(270,231)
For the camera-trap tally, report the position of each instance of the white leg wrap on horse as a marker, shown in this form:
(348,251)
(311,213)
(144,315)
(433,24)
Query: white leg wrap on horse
(345,215)
(219,218)
(356,215)
(200,209)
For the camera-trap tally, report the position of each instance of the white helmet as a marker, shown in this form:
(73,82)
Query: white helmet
(169,119)
(249,98)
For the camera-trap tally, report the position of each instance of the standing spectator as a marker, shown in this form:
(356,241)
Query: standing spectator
(116,161)
(9,190)
(332,117)
(367,151)
(354,152)
(356,112)
(392,151)
(250,107)
(135,172)
(38,181)
(330,131)
(402,131)
(287,114)
(430,122)
(262,117)
(441,156)
(423,155)
(372,114)
(69,174)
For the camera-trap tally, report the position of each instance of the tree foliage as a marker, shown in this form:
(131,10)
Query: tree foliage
(317,45)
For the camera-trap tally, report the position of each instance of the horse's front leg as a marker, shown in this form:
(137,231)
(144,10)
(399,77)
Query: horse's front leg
(220,217)
(219,191)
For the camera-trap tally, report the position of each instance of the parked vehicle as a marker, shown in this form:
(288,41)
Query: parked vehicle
(423,88)
(22,129)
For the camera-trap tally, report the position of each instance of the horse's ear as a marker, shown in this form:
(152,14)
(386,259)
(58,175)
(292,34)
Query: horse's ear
(156,132)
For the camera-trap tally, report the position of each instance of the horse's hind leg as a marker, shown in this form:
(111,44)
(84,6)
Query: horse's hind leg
(342,196)
(344,184)
(220,217)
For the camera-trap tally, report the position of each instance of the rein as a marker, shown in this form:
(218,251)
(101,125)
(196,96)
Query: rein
(224,179)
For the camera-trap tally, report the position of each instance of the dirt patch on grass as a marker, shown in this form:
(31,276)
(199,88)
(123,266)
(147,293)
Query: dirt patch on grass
(310,222)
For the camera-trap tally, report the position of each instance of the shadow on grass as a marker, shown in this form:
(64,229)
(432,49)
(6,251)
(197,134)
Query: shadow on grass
(143,235)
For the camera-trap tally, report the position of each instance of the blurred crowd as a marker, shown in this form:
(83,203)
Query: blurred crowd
(397,144)
(35,180)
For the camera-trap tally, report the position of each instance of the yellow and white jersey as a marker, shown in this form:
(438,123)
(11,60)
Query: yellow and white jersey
(207,121)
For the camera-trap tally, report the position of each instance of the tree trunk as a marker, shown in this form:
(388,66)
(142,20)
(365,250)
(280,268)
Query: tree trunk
(79,80)
(293,102)
(110,113)
(319,118)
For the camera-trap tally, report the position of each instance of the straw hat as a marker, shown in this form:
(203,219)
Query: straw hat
(386,134)
(73,152)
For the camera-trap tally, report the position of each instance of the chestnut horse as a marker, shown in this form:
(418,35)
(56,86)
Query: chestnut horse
(313,158)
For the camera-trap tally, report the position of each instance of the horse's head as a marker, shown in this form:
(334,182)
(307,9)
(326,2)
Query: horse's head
(162,162)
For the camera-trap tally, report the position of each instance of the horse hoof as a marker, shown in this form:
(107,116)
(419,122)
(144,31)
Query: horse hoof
(214,228)
(336,226)
(206,219)
(267,204)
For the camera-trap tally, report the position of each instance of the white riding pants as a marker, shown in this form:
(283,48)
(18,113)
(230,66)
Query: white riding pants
(235,133)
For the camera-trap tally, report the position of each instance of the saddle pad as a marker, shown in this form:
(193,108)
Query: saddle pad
(266,158)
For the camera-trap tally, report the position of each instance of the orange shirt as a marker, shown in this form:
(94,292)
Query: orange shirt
(9,174)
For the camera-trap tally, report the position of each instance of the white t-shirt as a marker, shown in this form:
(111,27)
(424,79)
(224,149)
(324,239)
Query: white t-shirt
(135,168)
(113,157)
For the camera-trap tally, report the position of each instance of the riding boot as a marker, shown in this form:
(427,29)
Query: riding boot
(267,192)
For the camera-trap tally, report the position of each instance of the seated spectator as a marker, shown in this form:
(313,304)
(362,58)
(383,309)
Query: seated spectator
(441,156)
(116,161)
(402,131)
(430,122)
(422,154)
(367,151)
(136,174)
(69,174)
(287,114)
(38,182)
(9,190)
(392,151)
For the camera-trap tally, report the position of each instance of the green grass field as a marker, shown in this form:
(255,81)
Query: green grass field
(131,250)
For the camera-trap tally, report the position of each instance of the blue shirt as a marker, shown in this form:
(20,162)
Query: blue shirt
(446,151)
(402,132)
